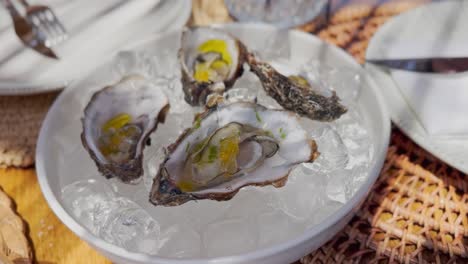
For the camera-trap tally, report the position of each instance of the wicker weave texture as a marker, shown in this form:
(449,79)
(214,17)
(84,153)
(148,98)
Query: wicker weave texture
(417,210)
(20,120)
(413,214)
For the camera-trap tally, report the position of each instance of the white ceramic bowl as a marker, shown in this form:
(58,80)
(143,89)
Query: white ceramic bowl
(303,47)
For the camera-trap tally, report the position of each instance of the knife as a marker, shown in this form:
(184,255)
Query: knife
(425,65)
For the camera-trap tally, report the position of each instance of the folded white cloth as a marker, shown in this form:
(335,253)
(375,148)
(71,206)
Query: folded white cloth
(439,101)
(96,28)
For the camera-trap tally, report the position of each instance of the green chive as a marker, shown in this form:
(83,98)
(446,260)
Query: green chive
(259,119)
(213,153)
(282,134)
(197,123)
(187,147)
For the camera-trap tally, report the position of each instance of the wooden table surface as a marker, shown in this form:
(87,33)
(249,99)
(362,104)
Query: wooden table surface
(52,241)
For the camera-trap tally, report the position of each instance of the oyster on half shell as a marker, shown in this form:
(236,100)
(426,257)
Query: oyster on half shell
(230,147)
(211,61)
(295,93)
(117,123)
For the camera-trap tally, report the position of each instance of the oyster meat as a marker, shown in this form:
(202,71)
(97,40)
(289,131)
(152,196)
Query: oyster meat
(295,93)
(117,123)
(211,61)
(229,147)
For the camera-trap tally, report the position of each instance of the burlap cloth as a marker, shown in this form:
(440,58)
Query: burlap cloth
(417,211)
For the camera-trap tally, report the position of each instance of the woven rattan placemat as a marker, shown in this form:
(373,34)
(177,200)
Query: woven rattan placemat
(20,120)
(417,211)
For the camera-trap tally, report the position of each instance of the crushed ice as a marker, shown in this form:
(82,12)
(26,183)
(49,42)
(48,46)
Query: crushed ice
(256,217)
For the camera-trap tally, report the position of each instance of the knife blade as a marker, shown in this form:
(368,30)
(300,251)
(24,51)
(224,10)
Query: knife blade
(425,65)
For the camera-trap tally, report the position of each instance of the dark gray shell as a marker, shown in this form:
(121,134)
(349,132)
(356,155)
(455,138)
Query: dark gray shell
(300,99)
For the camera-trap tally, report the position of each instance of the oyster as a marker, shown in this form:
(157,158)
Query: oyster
(211,61)
(117,123)
(230,147)
(295,93)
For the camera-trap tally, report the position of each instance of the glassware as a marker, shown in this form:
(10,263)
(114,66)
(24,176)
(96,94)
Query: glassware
(281,13)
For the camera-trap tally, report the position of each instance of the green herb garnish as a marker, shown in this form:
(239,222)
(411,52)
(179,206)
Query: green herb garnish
(197,147)
(187,147)
(212,153)
(282,134)
(197,123)
(269,133)
(259,119)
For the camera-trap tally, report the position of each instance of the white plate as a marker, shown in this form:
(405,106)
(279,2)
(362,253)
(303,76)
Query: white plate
(303,47)
(389,42)
(92,40)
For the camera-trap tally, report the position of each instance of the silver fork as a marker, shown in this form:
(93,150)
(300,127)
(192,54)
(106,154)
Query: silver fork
(30,35)
(42,17)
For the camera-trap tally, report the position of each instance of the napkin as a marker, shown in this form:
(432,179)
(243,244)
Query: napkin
(96,28)
(440,101)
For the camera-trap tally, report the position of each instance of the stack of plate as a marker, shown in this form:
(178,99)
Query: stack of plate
(97,29)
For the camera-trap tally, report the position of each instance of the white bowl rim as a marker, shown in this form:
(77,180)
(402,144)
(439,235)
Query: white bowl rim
(309,233)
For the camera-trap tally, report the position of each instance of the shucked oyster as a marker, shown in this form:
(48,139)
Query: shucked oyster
(295,93)
(230,147)
(211,61)
(117,123)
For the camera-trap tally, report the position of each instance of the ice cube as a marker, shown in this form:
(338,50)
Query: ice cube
(125,62)
(274,227)
(88,201)
(176,96)
(359,175)
(180,241)
(240,94)
(248,202)
(149,244)
(336,185)
(195,214)
(300,198)
(346,82)
(127,223)
(229,237)
(355,137)
(333,152)
(154,156)
(166,65)
(131,62)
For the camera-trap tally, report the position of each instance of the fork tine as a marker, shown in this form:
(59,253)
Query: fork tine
(56,27)
(55,31)
(61,33)
(42,27)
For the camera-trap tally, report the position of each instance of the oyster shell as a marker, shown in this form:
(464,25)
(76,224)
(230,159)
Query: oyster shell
(230,147)
(211,61)
(296,94)
(117,123)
